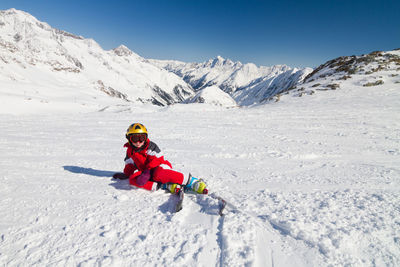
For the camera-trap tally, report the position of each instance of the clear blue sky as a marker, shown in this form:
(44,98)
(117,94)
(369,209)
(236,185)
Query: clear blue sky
(296,33)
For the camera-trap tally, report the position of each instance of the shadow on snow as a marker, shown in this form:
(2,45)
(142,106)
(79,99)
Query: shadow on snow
(88,171)
(167,207)
(117,184)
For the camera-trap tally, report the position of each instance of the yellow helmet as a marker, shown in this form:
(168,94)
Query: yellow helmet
(136,128)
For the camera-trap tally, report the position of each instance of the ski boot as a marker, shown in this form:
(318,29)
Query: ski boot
(172,188)
(197,185)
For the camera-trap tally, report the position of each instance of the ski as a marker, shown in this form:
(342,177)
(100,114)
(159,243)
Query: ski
(179,204)
(222,203)
(180,193)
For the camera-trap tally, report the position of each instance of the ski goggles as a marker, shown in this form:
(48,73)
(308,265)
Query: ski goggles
(134,138)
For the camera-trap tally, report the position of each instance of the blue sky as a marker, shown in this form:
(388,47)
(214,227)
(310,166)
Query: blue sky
(295,33)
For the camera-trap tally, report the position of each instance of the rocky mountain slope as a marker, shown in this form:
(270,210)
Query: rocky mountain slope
(375,69)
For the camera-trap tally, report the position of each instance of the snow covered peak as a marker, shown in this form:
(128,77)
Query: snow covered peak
(218,62)
(18,19)
(17,25)
(122,50)
(17,14)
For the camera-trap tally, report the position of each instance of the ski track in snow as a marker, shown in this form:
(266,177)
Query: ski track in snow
(311,184)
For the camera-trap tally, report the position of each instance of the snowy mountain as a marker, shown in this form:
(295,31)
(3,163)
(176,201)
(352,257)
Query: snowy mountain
(50,63)
(46,69)
(59,66)
(247,83)
(224,73)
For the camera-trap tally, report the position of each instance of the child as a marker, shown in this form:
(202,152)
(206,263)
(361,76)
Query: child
(146,167)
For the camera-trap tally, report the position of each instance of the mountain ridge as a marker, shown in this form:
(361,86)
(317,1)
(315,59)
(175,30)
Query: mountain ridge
(47,66)
(231,77)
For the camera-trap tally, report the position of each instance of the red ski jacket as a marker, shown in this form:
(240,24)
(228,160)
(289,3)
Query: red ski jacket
(145,158)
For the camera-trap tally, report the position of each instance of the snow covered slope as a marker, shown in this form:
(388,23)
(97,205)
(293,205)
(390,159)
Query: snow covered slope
(315,181)
(264,88)
(247,83)
(213,95)
(41,64)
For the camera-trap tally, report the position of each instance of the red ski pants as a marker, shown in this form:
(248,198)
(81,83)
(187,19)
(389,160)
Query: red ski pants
(158,175)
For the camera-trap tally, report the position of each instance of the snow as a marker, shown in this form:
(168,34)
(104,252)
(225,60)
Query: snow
(312,177)
(213,95)
(313,181)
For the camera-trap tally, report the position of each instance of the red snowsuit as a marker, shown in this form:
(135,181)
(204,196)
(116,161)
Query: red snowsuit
(149,158)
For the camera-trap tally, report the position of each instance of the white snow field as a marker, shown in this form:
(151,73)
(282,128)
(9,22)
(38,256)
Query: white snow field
(314,181)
